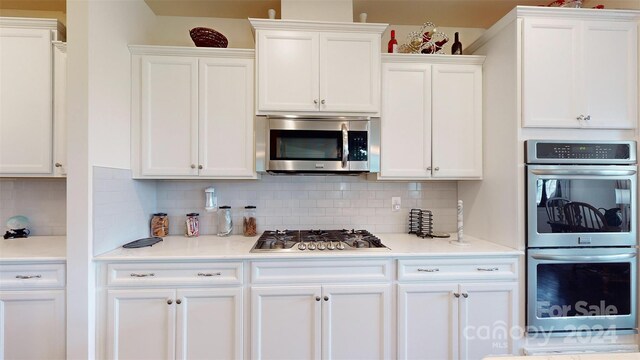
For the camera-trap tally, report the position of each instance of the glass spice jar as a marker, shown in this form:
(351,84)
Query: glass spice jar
(192,227)
(249,224)
(160,225)
(225,223)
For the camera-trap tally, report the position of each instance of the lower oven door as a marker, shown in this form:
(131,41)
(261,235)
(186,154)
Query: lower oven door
(581,289)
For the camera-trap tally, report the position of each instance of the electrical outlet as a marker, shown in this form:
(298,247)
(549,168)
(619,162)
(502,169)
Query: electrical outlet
(395,203)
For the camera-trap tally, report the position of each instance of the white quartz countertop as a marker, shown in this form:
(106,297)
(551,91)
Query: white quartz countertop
(211,247)
(33,248)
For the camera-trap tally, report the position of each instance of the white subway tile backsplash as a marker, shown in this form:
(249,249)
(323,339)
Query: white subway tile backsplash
(42,201)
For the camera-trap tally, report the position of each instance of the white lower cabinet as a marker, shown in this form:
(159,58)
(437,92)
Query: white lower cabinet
(173,323)
(32,311)
(321,322)
(456,319)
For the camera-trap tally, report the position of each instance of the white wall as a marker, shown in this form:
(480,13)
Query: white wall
(98,112)
(317,10)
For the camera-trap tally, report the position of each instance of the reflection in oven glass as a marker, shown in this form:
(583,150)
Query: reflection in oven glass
(567,290)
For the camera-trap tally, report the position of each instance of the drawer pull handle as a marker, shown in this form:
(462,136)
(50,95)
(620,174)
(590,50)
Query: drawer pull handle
(429,270)
(28,276)
(142,275)
(209,274)
(488,269)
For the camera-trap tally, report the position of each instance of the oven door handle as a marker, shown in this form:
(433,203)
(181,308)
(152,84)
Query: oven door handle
(583,257)
(345,145)
(599,172)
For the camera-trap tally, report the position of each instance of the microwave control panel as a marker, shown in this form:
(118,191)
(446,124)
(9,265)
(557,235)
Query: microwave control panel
(358,147)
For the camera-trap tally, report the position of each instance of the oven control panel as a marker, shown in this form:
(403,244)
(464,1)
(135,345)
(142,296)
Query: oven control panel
(580,152)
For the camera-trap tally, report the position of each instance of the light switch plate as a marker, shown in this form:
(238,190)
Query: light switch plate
(395,203)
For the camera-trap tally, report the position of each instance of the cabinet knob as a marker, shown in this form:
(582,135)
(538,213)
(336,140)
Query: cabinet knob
(317,298)
(58,165)
(193,166)
(200,167)
(581,117)
(326,298)
(178,301)
(456,295)
(465,295)
(169,302)
(429,168)
(322,102)
(315,101)
(436,168)
(587,118)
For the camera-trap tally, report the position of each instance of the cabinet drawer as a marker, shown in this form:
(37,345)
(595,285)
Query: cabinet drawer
(320,271)
(27,276)
(458,269)
(174,274)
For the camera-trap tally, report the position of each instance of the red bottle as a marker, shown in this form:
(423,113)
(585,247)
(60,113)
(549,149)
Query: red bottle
(393,43)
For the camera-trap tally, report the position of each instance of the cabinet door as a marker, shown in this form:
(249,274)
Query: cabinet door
(349,72)
(427,321)
(406,121)
(26,126)
(285,322)
(209,324)
(287,71)
(487,316)
(457,121)
(226,118)
(610,55)
(169,112)
(356,322)
(141,324)
(551,70)
(60,109)
(32,325)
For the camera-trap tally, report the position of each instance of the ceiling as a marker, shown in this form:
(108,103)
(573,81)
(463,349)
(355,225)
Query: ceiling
(450,13)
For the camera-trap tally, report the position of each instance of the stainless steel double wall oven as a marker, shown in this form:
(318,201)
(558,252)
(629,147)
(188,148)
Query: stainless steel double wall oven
(581,236)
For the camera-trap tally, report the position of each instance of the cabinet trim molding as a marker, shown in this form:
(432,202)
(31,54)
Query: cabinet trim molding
(433,59)
(191,51)
(268,24)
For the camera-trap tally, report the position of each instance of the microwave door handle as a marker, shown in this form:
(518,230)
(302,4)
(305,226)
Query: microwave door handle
(345,145)
(601,172)
(583,257)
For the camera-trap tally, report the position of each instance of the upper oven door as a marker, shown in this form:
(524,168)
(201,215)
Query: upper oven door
(581,205)
(317,145)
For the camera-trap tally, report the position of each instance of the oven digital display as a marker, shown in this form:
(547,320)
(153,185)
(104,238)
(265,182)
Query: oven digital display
(582,151)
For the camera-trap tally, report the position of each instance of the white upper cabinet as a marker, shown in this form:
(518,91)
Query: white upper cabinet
(26,95)
(333,68)
(60,108)
(579,73)
(192,113)
(431,123)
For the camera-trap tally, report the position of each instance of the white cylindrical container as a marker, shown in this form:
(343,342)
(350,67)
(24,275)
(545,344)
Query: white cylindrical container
(272,14)
(225,223)
(363,17)
(210,199)
(460,221)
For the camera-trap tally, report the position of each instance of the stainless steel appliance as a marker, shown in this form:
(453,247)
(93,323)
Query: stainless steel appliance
(581,236)
(345,145)
(317,241)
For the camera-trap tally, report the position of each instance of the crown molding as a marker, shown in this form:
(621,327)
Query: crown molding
(62,46)
(191,51)
(433,59)
(302,25)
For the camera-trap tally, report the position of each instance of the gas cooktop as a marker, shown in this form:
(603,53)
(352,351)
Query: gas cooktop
(317,240)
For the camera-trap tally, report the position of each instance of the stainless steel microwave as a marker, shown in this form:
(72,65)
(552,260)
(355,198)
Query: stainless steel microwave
(317,145)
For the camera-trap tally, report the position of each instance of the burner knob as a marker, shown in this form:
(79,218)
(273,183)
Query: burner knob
(311,246)
(340,245)
(321,246)
(302,246)
(331,246)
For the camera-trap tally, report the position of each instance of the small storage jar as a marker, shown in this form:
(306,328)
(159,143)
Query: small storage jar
(249,223)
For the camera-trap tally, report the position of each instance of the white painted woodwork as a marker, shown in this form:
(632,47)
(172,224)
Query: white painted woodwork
(288,71)
(456,121)
(310,67)
(32,324)
(349,72)
(26,95)
(60,109)
(356,321)
(431,123)
(323,271)
(485,268)
(427,321)
(141,324)
(192,113)
(574,67)
(487,317)
(406,121)
(285,322)
(226,117)
(174,274)
(32,276)
(169,115)
(209,323)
